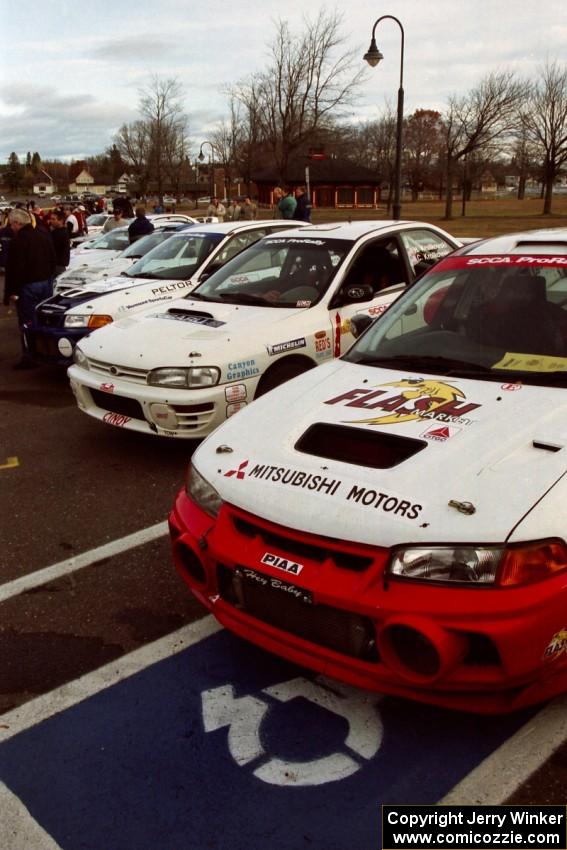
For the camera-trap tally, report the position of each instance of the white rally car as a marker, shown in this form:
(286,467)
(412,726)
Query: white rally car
(397,518)
(277,309)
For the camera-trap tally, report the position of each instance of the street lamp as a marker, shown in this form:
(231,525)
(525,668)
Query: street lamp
(212,166)
(373,56)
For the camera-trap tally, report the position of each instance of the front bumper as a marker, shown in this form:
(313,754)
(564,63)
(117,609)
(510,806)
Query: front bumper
(53,346)
(136,406)
(490,643)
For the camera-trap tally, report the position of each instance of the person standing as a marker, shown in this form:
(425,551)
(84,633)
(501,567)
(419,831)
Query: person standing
(287,204)
(217,209)
(61,241)
(277,195)
(248,209)
(141,225)
(29,273)
(233,212)
(302,210)
(115,220)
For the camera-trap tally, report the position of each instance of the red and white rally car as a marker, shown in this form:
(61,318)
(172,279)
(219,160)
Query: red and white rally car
(396,518)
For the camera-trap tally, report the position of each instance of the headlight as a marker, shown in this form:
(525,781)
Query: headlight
(503,566)
(72,321)
(202,493)
(92,321)
(80,359)
(192,378)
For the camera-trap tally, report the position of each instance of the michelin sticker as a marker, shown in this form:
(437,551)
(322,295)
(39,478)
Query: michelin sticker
(291,345)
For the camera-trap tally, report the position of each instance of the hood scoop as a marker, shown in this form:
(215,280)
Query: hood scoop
(373,449)
(197,317)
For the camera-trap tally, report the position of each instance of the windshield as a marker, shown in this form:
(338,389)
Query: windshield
(96,220)
(177,258)
(141,247)
(115,240)
(278,271)
(491,318)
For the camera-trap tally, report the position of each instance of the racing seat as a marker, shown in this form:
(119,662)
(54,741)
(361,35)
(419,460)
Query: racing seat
(519,318)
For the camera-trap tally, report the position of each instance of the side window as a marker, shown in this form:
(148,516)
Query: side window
(237,244)
(377,264)
(424,248)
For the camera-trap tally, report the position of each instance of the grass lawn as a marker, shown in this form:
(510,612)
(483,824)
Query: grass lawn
(483,217)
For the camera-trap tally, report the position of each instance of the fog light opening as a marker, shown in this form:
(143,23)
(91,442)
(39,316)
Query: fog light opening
(164,416)
(420,652)
(190,562)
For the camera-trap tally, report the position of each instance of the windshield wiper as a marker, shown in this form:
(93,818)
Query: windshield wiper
(244,298)
(420,363)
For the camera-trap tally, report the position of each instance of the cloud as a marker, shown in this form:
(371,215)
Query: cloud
(55,123)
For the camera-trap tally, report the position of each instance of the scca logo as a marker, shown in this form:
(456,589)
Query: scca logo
(418,399)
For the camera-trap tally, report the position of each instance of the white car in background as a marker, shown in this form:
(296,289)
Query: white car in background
(161,275)
(106,247)
(109,264)
(277,309)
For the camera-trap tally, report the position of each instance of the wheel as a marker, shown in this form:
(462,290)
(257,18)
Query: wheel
(279,374)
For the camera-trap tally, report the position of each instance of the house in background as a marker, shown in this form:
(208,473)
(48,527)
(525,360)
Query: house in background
(333,183)
(43,185)
(84,182)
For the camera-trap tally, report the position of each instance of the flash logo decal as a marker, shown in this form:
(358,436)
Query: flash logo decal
(419,399)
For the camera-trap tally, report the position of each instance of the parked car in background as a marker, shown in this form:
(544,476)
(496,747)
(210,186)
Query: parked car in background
(275,310)
(397,519)
(158,277)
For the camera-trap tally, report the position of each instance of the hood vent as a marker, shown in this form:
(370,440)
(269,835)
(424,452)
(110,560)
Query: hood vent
(182,311)
(374,449)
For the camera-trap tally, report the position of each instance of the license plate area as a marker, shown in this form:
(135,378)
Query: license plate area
(274,584)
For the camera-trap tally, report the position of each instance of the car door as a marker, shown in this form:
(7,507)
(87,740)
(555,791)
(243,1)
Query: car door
(375,276)
(386,265)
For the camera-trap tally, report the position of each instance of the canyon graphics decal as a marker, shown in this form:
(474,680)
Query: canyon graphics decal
(409,400)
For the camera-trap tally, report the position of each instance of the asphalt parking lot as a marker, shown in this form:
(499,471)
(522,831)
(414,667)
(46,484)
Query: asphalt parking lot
(129,720)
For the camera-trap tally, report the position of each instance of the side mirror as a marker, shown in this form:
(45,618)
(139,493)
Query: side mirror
(361,292)
(359,323)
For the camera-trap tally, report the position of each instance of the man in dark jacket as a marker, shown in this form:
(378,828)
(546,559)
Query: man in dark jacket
(141,225)
(29,272)
(61,240)
(302,210)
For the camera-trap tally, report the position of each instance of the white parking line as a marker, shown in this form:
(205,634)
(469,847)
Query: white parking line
(77,562)
(43,707)
(18,829)
(508,767)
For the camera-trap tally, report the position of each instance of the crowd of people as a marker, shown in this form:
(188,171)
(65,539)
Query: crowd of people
(289,203)
(34,249)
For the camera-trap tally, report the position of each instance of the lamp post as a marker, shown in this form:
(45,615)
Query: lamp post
(373,56)
(212,166)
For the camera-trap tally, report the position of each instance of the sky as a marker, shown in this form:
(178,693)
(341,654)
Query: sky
(71,72)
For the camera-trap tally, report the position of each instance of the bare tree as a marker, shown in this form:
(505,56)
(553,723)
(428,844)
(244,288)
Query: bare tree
(422,137)
(302,90)
(155,145)
(545,123)
(480,120)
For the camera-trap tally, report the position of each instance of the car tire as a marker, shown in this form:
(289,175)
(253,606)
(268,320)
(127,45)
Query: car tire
(280,373)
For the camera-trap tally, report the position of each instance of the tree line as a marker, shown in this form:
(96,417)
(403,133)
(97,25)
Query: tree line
(302,98)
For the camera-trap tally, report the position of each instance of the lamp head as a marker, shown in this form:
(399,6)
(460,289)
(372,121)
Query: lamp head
(373,56)
(201,156)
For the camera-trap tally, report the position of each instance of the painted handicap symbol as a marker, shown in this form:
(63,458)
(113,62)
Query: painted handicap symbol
(244,717)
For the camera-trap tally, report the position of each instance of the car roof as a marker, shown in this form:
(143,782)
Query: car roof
(549,240)
(351,231)
(227,227)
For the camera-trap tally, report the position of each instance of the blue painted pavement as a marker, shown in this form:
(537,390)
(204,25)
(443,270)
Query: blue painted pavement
(133,768)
